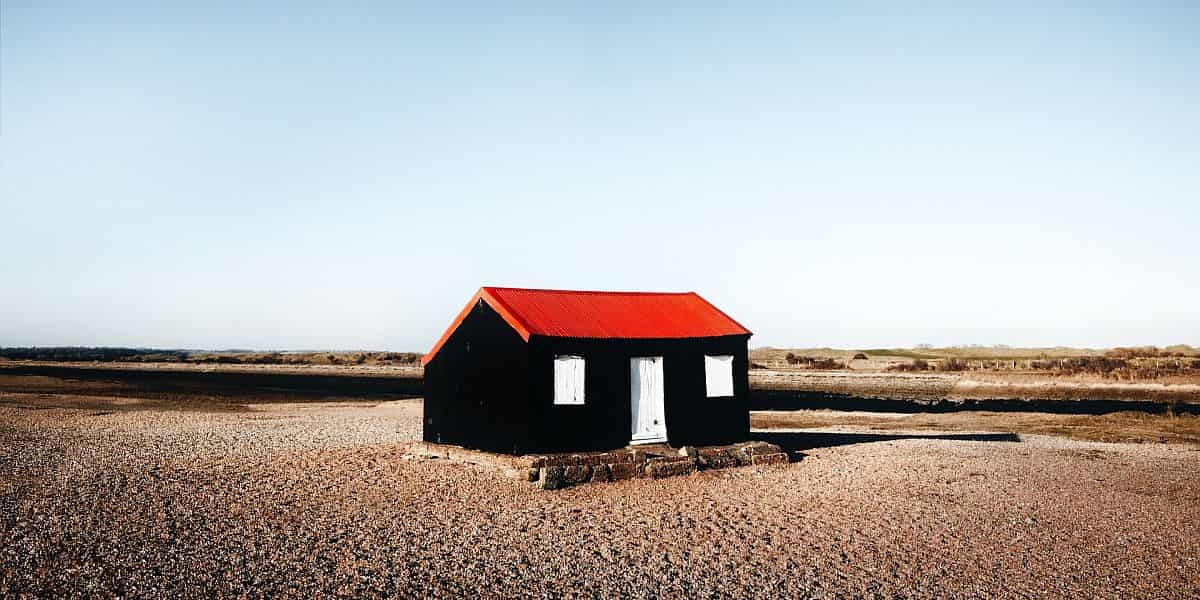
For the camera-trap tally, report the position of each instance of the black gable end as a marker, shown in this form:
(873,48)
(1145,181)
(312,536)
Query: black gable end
(476,387)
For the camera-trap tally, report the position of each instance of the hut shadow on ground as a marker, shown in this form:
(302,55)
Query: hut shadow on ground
(795,442)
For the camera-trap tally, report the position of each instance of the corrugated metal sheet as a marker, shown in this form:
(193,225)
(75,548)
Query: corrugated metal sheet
(639,315)
(612,315)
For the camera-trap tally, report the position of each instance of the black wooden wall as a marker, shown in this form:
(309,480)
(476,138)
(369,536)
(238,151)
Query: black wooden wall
(477,387)
(604,421)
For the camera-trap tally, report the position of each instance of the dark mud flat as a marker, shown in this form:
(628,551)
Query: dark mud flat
(268,386)
(262,386)
(775,399)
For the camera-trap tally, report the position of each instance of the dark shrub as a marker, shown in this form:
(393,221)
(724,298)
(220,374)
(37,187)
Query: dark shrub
(917,365)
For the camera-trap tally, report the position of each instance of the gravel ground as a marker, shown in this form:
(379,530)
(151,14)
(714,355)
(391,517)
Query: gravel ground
(112,497)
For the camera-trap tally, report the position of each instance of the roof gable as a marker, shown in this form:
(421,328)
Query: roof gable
(602,315)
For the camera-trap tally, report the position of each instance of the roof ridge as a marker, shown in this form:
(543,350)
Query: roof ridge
(595,292)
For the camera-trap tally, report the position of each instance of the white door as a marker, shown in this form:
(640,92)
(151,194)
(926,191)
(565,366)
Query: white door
(646,399)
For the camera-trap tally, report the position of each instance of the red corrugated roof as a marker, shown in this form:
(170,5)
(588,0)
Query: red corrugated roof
(617,315)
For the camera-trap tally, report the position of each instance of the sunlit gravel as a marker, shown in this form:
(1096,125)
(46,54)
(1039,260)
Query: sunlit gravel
(308,500)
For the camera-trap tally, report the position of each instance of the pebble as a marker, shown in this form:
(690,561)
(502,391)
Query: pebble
(303,500)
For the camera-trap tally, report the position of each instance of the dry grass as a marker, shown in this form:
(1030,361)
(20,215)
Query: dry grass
(1132,427)
(1171,366)
(976,385)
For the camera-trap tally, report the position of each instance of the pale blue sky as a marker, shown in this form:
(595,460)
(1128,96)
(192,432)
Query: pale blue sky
(280,175)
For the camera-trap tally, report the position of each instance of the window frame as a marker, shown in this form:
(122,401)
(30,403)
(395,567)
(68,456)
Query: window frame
(578,380)
(727,368)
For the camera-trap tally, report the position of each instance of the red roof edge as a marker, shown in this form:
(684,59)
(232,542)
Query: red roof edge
(502,309)
(722,313)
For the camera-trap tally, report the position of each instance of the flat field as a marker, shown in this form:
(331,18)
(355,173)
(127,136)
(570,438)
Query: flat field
(112,491)
(807,388)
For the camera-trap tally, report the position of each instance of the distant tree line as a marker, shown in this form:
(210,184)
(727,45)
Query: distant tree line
(79,353)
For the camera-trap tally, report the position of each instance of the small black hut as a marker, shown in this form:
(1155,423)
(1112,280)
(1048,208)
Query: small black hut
(523,370)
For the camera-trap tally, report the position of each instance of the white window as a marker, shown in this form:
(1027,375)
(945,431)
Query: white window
(568,380)
(718,376)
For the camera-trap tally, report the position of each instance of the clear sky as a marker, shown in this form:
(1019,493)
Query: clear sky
(345,175)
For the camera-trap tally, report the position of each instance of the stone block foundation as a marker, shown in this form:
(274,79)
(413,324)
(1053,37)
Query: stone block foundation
(556,471)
